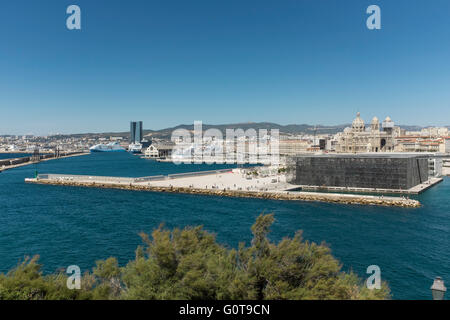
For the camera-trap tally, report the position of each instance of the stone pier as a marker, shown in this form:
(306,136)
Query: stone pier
(224,183)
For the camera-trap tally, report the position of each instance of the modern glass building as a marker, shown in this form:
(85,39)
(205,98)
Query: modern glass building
(136,134)
(370,170)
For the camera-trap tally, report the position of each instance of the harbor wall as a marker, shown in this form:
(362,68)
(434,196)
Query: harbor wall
(285,195)
(6,164)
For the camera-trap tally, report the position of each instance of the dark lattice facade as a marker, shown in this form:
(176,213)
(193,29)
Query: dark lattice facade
(358,171)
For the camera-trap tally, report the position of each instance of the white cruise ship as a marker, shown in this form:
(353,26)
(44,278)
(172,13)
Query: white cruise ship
(135,148)
(110,147)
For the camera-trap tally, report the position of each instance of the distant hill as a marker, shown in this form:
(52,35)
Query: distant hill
(284,129)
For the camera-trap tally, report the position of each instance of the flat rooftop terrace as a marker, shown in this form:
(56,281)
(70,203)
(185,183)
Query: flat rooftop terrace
(372,155)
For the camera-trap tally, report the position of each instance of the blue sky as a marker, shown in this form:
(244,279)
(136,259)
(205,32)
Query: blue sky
(170,62)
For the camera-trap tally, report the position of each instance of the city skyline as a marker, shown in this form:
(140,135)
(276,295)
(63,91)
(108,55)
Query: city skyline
(173,63)
(125,128)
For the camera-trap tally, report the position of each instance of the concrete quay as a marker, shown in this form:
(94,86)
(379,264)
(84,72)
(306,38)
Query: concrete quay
(20,162)
(414,190)
(224,183)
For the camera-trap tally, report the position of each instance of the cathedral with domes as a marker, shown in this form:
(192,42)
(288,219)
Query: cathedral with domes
(373,138)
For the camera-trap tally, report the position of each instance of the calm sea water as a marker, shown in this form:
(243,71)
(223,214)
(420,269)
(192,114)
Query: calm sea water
(69,225)
(13,155)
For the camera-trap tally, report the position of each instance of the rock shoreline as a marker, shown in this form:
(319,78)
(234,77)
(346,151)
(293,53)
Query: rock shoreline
(293,196)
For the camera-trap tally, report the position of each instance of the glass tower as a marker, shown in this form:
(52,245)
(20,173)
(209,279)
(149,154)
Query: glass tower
(136,132)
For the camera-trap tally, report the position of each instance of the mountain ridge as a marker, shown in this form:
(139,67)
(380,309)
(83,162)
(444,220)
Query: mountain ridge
(283,129)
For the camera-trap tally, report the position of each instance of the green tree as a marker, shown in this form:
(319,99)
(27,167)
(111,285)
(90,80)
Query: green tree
(179,264)
(26,282)
(296,269)
(190,264)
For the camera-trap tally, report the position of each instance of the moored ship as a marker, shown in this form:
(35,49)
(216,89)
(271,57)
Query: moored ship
(110,147)
(135,148)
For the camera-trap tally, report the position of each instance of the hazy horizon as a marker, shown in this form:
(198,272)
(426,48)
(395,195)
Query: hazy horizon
(206,123)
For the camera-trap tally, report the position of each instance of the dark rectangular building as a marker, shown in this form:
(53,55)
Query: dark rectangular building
(381,171)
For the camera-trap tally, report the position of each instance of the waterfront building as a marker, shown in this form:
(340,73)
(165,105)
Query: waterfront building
(293,146)
(359,139)
(151,152)
(159,150)
(434,132)
(136,134)
(419,144)
(446,167)
(370,170)
(446,145)
(435,166)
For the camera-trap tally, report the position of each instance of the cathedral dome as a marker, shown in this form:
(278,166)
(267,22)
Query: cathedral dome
(358,124)
(375,120)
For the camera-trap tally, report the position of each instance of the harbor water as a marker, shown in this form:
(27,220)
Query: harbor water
(73,225)
(13,155)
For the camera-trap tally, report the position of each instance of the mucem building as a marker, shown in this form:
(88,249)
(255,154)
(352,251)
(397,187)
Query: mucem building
(381,171)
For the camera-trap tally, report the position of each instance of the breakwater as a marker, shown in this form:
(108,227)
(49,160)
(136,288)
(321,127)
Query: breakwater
(120,183)
(6,164)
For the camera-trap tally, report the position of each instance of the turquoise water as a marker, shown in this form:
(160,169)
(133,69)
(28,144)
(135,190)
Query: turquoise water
(69,225)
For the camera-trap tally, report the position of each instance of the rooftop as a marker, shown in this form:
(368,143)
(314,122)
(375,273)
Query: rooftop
(391,155)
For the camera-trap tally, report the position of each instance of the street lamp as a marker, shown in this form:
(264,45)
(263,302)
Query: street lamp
(438,289)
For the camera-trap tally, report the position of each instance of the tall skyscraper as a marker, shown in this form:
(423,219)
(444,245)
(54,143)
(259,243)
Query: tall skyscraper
(136,134)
